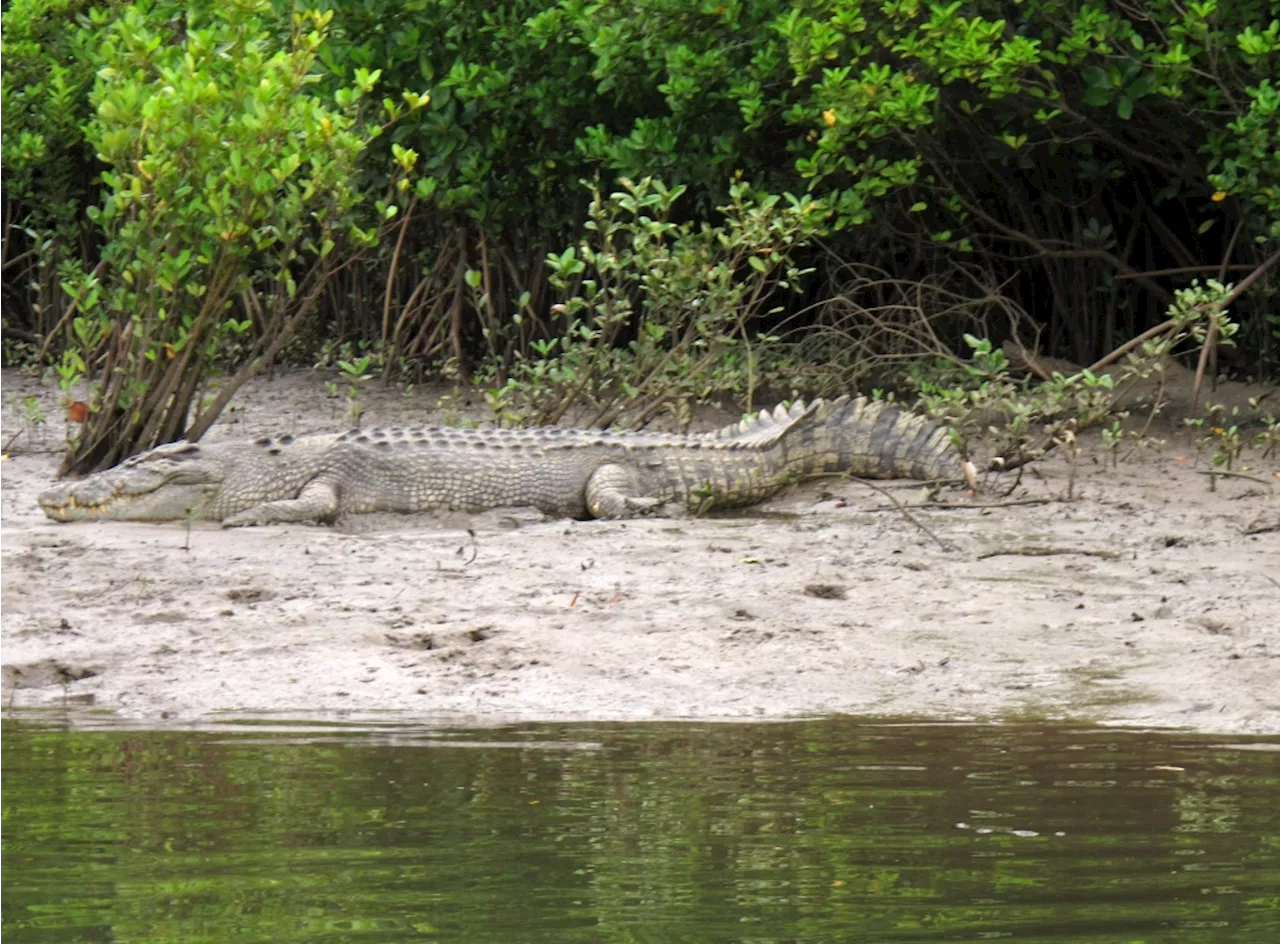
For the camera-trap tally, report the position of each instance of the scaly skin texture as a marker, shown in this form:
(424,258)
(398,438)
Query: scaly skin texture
(565,472)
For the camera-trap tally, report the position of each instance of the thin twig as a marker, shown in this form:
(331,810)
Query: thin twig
(1247,282)
(905,513)
(1169,325)
(964,506)
(391,274)
(1236,475)
(900,484)
(1209,350)
(1206,352)
(1037,550)
(67,315)
(1188,270)
(1128,346)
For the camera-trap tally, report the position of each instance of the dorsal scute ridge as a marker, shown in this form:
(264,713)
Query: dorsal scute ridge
(767,426)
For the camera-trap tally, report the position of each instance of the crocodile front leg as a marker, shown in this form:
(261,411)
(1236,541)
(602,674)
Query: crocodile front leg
(318,501)
(611,493)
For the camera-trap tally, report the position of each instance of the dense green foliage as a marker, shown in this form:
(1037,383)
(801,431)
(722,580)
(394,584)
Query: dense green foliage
(1071,161)
(691,292)
(48,166)
(222,168)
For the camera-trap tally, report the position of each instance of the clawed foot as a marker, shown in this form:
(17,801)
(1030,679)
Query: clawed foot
(245,519)
(644,506)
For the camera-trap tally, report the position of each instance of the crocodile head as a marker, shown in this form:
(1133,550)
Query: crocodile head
(168,483)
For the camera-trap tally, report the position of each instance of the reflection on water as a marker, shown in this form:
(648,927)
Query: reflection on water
(812,831)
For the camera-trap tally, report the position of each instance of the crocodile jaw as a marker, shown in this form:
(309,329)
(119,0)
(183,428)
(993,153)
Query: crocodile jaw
(132,494)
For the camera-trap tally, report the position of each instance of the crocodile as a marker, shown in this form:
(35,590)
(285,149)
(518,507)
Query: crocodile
(564,472)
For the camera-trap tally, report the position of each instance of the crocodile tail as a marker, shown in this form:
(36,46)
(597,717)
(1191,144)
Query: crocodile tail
(875,439)
(768,426)
(851,435)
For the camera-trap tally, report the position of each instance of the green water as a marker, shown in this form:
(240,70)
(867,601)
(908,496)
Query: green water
(814,831)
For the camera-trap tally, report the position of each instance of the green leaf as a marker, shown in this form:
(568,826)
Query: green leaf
(1097,96)
(1142,86)
(1094,77)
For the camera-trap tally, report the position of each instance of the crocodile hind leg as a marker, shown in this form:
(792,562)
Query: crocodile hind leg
(611,493)
(318,501)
